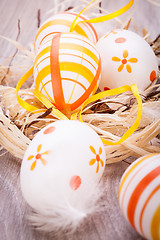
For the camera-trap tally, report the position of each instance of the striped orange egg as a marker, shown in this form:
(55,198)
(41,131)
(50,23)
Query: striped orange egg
(67,70)
(139,196)
(62,23)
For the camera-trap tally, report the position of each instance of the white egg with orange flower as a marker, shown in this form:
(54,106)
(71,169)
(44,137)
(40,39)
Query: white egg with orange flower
(126,59)
(64,161)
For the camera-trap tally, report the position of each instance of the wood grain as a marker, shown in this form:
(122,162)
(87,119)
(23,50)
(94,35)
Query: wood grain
(106,225)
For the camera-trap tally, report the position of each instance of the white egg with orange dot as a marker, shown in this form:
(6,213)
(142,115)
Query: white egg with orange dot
(64,160)
(139,196)
(126,59)
(67,70)
(62,23)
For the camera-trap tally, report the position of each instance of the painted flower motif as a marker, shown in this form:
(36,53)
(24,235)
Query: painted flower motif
(125,61)
(97,158)
(37,157)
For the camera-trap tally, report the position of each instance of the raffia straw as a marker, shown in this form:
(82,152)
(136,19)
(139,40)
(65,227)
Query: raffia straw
(108,126)
(156,3)
(20,47)
(12,138)
(54,10)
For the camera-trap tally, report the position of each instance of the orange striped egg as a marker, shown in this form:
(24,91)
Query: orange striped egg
(139,196)
(67,70)
(62,23)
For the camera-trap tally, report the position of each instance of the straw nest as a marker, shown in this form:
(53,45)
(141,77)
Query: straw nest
(109,117)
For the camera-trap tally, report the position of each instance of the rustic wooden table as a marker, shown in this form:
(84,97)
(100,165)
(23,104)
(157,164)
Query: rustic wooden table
(106,225)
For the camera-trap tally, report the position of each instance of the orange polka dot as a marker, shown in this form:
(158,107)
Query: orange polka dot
(153,76)
(49,130)
(120,40)
(75,182)
(106,88)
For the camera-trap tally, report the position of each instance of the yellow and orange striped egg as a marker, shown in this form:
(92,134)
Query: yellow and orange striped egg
(139,196)
(67,70)
(62,23)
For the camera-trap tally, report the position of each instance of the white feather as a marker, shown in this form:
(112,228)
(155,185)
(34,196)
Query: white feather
(67,215)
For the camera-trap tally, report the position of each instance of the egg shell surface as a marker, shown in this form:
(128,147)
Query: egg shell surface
(126,59)
(62,23)
(64,160)
(67,70)
(139,196)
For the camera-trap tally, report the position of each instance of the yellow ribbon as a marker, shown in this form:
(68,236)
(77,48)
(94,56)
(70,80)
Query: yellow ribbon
(102,18)
(23,103)
(38,95)
(133,88)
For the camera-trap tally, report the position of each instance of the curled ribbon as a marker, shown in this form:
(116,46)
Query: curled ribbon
(102,18)
(38,95)
(133,88)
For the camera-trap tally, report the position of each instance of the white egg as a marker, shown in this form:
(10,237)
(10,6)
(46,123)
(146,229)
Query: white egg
(67,70)
(62,22)
(63,161)
(139,196)
(126,59)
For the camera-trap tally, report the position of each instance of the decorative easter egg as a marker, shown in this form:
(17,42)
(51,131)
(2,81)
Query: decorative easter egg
(126,59)
(62,23)
(139,196)
(63,162)
(67,70)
